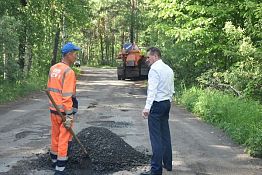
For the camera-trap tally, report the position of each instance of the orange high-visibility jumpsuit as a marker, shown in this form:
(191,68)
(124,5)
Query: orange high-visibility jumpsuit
(62,87)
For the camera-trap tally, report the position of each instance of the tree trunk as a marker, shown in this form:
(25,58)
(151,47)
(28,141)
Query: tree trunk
(137,23)
(29,59)
(90,56)
(4,62)
(107,50)
(57,35)
(88,52)
(101,47)
(86,56)
(22,45)
(113,49)
(133,16)
(22,39)
(122,39)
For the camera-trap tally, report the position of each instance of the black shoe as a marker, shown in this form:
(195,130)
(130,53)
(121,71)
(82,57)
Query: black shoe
(148,173)
(168,169)
(59,173)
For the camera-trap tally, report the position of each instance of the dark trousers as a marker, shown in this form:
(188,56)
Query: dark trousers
(160,136)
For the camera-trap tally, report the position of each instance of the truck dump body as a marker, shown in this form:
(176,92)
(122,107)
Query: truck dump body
(133,65)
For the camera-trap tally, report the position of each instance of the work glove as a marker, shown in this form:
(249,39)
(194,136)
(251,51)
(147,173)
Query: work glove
(75,105)
(68,122)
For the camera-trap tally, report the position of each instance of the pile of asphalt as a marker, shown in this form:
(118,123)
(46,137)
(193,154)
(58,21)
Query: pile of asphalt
(106,150)
(107,153)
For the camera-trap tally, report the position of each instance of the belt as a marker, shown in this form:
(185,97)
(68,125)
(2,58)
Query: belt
(161,101)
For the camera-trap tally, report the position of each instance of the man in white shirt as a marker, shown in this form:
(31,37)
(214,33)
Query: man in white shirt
(159,96)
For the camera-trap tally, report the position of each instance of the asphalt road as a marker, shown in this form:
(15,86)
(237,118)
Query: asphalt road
(198,148)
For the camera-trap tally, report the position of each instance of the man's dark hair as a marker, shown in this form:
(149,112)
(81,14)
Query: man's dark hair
(154,50)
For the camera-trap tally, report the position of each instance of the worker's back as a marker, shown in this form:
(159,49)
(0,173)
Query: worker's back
(62,84)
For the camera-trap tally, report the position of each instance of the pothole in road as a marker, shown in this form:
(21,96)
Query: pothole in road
(92,105)
(107,153)
(22,134)
(105,116)
(110,124)
(124,110)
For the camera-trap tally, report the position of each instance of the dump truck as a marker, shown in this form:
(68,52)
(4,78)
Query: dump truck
(132,63)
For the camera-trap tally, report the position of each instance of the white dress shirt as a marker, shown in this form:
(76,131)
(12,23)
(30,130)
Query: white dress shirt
(160,83)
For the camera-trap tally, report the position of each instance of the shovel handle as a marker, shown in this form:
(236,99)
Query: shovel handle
(64,119)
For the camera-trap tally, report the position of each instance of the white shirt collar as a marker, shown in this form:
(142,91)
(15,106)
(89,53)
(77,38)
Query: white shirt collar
(156,63)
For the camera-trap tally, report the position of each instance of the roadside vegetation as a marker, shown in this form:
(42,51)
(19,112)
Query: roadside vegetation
(10,91)
(240,118)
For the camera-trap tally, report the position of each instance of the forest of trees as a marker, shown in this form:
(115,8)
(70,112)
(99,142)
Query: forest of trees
(216,43)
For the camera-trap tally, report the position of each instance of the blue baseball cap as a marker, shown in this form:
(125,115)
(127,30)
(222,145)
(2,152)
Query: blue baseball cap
(127,46)
(69,47)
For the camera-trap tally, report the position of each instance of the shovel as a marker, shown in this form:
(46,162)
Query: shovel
(63,119)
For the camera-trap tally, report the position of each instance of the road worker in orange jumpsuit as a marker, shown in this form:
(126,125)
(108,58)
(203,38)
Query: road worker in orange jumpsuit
(62,87)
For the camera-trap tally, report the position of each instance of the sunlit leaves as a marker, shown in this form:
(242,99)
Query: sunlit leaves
(218,35)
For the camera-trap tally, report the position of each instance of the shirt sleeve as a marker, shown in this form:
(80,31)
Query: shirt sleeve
(172,87)
(153,81)
(68,92)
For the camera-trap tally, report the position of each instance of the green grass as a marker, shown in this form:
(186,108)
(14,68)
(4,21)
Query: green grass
(239,118)
(10,91)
